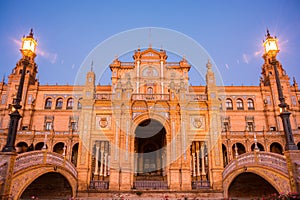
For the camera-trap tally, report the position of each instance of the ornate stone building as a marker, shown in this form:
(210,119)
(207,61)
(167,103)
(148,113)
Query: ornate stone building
(149,134)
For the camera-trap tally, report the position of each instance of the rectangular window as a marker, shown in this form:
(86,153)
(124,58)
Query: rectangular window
(226,126)
(73,126)
(250,126)
(272,128)
(3,99)
(48,126)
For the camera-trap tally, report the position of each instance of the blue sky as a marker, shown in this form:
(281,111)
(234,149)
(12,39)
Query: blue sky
(230,31)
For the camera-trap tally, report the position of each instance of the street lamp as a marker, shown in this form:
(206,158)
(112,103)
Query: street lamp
(28,52)
(271,50)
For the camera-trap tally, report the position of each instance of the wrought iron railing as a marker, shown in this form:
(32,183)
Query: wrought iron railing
(147,184)
(99,184)
(200,184)
(149,97)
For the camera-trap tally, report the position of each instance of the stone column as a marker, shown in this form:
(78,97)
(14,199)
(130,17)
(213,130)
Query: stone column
(96,159)
(7,170)
(292,157)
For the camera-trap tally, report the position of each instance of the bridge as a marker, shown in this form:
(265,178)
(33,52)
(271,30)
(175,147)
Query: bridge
(270,166)
(31,165)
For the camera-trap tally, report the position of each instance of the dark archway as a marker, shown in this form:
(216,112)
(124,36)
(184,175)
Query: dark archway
(74,154)
(240,149)
(260,147)
(59,147)
(21,147)
(275,147)
(48,186)
(150,139)
(250,185)
(298,145)
(39,146)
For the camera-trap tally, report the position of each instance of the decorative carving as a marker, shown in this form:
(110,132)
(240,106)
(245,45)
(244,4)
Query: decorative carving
(103,121)
(197,122)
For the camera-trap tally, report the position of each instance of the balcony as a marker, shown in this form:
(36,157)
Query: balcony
(150,97)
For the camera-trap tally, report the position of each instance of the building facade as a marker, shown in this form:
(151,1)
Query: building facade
(150,133)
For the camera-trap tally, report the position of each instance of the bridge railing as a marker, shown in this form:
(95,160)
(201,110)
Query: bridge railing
(33,158)
(261,158)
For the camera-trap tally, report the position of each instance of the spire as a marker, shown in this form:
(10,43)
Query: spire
(92,66)
(3,79)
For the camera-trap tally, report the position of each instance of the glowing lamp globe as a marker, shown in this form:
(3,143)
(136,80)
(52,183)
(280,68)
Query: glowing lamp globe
(28,45)
(271,45)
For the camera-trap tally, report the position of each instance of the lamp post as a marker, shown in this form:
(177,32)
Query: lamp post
(28,52)
(271,50)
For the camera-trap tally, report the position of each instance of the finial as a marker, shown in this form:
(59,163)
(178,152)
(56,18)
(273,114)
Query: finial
(268,34)
(3,79)
(31,32)
(208,65)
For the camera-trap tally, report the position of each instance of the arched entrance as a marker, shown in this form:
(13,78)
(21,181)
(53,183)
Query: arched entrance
(250,185)
(51,185)
(150,140)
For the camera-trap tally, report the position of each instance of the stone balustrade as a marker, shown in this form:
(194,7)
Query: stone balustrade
(33,158)
(268,159)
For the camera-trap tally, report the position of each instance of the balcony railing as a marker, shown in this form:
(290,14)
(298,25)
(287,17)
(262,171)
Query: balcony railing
(99,184)
(104,96)
(272,160)
(149,97)
(200,185)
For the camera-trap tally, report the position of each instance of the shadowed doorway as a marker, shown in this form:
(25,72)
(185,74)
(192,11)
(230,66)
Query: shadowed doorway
(250,186)
(150,140)
(51,185)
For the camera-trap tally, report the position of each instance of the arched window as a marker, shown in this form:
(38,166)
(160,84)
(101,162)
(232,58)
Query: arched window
(250,104)
(48,103)
(79,106)
(229,104)
(239,104)
(59,148)
(59,103)
(260,147)
(70,103)
(238,149)
(149,90)
(225,158)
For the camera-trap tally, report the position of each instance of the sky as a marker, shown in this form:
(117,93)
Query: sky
(230,31)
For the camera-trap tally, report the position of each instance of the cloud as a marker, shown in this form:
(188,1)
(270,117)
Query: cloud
(73,66)
(227,66)
(246,58)
(258,53)
(51,57)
